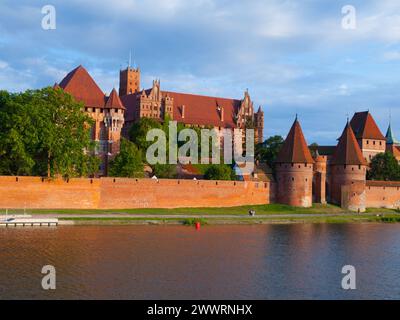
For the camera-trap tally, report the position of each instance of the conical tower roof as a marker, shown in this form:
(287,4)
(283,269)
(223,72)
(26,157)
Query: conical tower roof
(348,151)
(83,88)
(390,138)
(295,149)
(114,101)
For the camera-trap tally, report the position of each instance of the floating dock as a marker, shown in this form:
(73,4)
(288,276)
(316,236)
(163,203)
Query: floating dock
(28,222)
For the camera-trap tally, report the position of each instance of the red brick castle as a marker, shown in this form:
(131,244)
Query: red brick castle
(114,114)
(304,175)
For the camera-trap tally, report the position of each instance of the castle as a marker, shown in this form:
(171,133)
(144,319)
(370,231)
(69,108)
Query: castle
(115,114)
(304,175)
(336,174)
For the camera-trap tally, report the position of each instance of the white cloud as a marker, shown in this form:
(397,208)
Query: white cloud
(3,64)
(392,55)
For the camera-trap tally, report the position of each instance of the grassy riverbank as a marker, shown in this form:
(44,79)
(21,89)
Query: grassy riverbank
(241,210)
(272,213)
(214,220)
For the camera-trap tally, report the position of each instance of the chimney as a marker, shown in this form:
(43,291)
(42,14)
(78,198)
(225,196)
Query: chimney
(222,113)
(183,111)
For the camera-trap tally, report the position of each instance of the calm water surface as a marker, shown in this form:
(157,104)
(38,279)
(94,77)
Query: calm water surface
(217,262)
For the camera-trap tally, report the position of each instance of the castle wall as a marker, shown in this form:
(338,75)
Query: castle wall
(342,175)
(121,193)
(294,185)
(319,179)
(383,194)
(353,196)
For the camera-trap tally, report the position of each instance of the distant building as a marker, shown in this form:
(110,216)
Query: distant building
(369,137)
(108,112)
(115,114)
(189,109)
(392,144)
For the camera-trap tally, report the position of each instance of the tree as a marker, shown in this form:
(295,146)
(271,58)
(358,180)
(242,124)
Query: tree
(128,163)
(384,166)
(268,151)
(45,132)
(164,171)
(138,132)
(219,172)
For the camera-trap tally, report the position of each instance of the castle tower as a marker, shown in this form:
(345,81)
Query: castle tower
(319,181)
(259,125)
(368,135)
(294,170)
(114,121)
(129,81)
(392,144)
(348,173)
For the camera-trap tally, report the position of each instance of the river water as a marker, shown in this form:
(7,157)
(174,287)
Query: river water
(299,261)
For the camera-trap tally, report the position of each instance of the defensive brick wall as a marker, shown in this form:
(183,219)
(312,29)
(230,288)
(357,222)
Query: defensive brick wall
(383,194)
(121,193)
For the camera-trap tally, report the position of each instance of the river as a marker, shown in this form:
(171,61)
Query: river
(297,261)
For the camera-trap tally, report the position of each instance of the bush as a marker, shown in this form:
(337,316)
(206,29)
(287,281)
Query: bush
(219,172)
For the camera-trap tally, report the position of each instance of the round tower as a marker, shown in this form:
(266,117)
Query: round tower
(294,170)
(320,172)
(348,173)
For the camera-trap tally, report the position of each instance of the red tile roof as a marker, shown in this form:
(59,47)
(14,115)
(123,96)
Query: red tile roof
(199,110)
(204,110)
(113,101)
(376,183)
(295,149)
(365,127)
(83,88)
(348,151)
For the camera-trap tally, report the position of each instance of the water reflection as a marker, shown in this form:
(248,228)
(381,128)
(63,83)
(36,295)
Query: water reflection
(217,262)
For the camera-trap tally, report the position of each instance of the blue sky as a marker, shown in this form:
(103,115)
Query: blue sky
(293,56)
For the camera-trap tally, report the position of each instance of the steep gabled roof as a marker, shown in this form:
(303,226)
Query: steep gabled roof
(199,110)
(365,127)
(83,88)
(204,110)
(295,149)
(113,101)
(390,138)
(348,151)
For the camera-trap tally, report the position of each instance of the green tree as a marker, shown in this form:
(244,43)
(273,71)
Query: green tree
(164,171)
(219,172)
(138,132)
(384,166)
(44,132)
(128,163)
(268,151)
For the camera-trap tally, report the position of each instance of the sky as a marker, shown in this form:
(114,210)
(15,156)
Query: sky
(294,57)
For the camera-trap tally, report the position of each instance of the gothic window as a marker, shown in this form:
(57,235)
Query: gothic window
(103,134)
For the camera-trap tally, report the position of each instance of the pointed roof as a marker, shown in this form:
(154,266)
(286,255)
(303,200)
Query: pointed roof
(390,138)
(348,151)
(113,101)
(365,127)
(295,149)
(83,88)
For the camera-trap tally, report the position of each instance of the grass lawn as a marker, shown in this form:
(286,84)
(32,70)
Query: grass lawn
(242,210)
(213,220)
